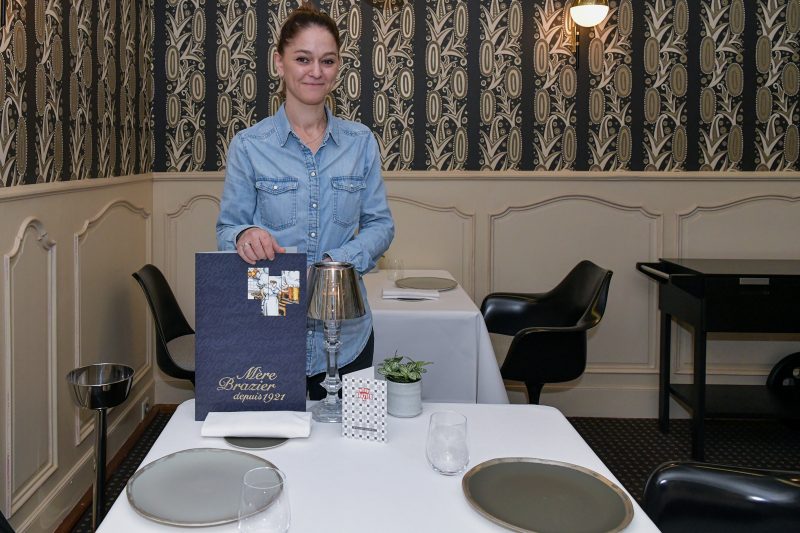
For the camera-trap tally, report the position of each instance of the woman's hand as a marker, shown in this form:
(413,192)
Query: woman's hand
(255,244)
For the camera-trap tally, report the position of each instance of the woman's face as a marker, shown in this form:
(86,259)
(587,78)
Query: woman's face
(309,65)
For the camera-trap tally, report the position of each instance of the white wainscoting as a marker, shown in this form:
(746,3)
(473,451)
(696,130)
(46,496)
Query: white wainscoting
(67,299)
(30,361)
(524,231)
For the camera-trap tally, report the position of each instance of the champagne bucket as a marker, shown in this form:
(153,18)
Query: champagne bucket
(100,387)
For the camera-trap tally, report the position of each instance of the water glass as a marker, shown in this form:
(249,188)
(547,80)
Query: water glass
(446,448)
(396,270)
(264,506)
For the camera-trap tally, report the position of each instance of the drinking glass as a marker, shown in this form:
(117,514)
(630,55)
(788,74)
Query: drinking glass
(396,269)
(264,506)
(446,448)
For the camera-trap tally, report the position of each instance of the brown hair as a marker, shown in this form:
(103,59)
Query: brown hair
(303,17)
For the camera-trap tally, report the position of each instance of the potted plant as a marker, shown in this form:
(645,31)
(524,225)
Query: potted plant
(403,385)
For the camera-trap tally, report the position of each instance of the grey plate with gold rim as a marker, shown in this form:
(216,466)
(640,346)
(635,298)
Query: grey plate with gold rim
(427,283)
(536,495)
(192,488)
(255,443)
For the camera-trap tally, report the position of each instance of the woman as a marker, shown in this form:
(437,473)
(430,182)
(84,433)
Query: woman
(307,179)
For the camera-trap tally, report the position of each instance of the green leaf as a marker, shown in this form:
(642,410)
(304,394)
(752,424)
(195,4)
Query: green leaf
(395,370)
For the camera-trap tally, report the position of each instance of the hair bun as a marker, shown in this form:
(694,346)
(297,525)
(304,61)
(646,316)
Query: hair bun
(309,7)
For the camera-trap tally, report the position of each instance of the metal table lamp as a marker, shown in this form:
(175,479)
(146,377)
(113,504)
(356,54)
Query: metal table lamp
(335,296)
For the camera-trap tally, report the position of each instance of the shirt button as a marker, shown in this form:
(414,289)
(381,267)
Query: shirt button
(310,333)
(314,206)
(275,187)
(313,173)
(313,234)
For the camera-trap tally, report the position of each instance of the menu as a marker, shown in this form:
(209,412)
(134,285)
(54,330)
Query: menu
(250,333)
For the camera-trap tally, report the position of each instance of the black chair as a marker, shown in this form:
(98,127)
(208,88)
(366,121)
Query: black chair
(174,335)
(686,497)
(549,328)
(5,527)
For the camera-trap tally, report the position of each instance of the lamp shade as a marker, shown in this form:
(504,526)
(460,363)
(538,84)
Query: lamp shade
(588,13)
(335,293)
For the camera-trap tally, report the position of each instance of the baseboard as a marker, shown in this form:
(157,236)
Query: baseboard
(598,401)
(74,516)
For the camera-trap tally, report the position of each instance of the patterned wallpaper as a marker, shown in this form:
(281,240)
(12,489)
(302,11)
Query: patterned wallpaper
(661,85)
(75,90)
(496,85)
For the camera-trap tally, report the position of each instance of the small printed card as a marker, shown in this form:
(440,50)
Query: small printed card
(364,406)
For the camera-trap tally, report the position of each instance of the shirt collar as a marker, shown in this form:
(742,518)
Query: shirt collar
(284,128)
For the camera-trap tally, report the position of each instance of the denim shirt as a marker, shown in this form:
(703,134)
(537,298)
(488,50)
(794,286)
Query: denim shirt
(330,203)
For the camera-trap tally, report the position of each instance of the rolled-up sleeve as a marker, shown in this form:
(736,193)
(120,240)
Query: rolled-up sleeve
(376,226)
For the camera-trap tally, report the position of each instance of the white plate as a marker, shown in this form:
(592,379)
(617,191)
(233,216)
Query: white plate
(197,487)
(427,283)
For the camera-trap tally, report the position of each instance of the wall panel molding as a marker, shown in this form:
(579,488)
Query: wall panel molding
(552,239)
(466,223)
(172,221)
(17,493)
(742,216)
(494,218)
(43,473)
(84,423)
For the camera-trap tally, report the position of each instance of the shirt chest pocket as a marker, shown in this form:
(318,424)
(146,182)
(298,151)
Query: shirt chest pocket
(347,199)
(277,202)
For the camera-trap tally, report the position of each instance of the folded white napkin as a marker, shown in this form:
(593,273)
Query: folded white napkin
(410,294)
(276,424)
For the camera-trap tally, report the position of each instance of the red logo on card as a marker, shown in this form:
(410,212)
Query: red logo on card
(364,393)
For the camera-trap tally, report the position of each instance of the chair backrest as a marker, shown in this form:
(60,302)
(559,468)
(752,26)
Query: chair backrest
(582,295)
(5,527)
(690,496)
(169,320)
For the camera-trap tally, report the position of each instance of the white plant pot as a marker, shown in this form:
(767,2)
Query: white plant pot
(404,399)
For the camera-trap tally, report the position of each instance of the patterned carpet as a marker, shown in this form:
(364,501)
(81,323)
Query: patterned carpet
(630,447)
(633,447)
(119,477)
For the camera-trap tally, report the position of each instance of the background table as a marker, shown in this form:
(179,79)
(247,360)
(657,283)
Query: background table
(449,331)
(367,486)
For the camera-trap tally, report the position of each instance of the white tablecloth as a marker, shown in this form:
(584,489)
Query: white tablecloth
(342,485)
(449,331)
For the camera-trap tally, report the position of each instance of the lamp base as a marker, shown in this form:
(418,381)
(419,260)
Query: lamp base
(328,411)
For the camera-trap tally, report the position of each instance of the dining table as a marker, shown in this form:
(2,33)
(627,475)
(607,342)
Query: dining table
(448,331)
(339,484)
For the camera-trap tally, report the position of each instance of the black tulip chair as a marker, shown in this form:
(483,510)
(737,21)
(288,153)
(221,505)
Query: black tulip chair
(549,329)
(174,335)
(691,497)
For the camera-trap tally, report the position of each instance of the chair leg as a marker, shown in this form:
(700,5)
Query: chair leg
(534,390)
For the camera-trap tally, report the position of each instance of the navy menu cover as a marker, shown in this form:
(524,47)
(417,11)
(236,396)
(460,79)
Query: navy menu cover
(250,334)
